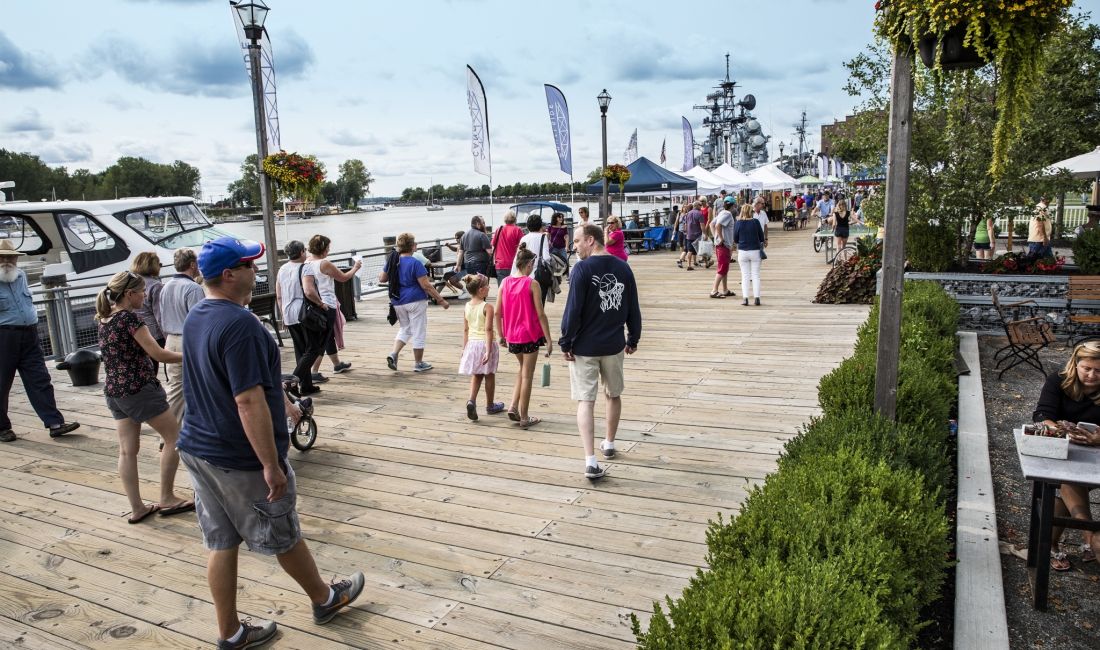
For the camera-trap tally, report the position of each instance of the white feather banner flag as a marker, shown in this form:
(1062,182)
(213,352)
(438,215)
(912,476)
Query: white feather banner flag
(479,119)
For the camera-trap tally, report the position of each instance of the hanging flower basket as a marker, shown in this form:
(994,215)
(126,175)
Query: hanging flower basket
(959,34)
(617,175)
(295,175)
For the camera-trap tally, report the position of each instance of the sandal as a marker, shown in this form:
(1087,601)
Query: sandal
(729,294)
(529,422)
(1059,561)
(716,295)
(137,520)
(471,410)
(513,415)
(185,506)
(1086,554)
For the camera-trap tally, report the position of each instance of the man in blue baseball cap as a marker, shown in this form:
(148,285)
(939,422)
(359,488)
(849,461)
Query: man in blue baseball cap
(234,443)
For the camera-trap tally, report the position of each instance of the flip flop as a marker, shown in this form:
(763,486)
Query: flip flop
(186,506)
(471,410)
(1059,561)
(152,508)
(529,422)
(1087,554)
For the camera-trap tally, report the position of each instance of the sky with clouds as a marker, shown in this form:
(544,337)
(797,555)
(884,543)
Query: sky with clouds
(83,83)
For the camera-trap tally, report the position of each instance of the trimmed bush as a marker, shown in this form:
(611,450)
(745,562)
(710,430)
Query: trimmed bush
(925,393)
(900,446)
(1086,251)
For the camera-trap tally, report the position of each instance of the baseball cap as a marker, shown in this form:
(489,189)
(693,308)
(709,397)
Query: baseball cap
(729,200)
(220,254)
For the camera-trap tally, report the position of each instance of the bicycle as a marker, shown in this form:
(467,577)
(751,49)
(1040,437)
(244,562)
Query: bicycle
(304,433)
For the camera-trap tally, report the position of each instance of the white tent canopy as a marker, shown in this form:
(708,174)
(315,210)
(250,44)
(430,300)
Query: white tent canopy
(708,183)
(772,178)
(736,180)
(1085,166)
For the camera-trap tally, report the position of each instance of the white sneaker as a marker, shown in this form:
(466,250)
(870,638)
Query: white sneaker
(463,295)
(608,449)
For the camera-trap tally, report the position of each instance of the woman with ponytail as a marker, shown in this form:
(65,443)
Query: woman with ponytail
(133,393)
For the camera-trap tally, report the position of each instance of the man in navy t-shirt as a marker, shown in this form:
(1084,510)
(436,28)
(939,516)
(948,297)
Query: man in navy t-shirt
(234,443)
(603,298)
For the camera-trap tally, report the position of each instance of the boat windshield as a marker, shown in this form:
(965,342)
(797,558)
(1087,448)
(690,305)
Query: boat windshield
(172,226)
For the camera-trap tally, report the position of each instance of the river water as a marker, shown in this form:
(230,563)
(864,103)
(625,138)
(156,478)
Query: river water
(359,230)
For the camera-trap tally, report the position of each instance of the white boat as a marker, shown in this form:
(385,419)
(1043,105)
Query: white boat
(85,242)
(434,206)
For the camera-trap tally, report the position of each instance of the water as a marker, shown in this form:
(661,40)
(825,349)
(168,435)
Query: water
(361,230)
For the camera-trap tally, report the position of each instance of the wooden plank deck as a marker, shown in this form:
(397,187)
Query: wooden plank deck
(471,534)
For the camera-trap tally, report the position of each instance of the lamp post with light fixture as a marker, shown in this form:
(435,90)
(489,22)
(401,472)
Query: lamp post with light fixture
(605,100)
(252,15)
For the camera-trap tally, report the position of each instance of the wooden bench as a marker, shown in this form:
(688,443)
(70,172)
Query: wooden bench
(264,306)
(1082,289)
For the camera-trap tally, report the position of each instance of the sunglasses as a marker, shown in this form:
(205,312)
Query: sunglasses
(243,265)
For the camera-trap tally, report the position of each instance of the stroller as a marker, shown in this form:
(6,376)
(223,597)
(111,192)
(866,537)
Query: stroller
(303,434)
(790,220)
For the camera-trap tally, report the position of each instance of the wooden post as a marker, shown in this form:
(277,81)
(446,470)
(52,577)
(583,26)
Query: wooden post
(1060,217)
(893,258)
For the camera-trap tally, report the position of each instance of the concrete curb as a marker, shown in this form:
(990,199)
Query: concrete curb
(980,619)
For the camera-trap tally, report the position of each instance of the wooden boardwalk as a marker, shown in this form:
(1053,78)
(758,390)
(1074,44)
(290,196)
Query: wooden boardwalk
(471,534)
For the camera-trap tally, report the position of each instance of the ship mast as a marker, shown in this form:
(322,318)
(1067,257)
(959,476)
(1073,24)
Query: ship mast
(733,137)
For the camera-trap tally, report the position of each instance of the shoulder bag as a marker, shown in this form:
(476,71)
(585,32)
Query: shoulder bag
(543,273)
(310,316)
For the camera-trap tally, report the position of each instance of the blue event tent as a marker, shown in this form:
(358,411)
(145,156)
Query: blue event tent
(647,177)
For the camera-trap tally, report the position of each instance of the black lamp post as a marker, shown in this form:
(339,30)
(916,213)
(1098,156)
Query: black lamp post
(252,15)
(605,100)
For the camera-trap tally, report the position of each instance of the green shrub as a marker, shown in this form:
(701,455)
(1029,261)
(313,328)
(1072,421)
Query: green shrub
(1086,252)
(797,604)
(925,393)
(901,446)
(929,247)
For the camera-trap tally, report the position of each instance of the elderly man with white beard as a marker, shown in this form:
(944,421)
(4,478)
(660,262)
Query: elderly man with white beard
(20,349)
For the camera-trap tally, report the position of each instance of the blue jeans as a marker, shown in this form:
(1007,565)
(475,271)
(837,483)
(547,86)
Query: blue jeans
(1039,249)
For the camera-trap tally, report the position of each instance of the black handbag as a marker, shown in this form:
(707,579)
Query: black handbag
(310,316)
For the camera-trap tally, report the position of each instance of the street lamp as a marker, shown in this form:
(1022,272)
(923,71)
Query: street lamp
(605,100)
(252,15)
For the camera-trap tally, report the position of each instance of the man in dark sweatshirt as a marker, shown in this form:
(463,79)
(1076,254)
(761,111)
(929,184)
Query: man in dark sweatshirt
(603,297)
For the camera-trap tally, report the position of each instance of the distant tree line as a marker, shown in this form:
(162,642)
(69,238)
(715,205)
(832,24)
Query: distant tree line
(350,186)
(460,192)
(129,176)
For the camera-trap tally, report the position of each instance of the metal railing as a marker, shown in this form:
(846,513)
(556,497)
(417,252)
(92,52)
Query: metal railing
(66,312)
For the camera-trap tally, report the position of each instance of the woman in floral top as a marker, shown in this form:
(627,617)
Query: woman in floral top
(133,393)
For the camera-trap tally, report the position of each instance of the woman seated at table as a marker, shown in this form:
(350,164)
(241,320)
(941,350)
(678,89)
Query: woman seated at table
(1073,395)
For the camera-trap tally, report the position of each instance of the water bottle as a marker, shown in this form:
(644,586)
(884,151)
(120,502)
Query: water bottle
(953,427)
(546,374)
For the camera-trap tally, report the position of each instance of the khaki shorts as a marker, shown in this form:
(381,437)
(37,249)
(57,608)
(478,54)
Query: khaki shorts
(585,374)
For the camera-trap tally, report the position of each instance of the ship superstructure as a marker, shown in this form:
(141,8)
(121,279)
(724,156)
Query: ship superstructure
(734,136)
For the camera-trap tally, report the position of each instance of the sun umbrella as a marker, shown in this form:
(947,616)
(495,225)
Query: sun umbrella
(1085,166)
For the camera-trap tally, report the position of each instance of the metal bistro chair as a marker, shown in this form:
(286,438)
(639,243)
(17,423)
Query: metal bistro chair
(1026,338)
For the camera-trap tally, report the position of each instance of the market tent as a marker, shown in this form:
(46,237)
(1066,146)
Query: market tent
(772,178)
(809,179)
(1085,166)
(739,180)
(647,177)
(709,183)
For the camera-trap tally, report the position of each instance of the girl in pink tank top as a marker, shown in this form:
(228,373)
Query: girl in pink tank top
(523,326)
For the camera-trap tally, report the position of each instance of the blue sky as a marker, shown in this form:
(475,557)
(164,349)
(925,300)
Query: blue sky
(82,83)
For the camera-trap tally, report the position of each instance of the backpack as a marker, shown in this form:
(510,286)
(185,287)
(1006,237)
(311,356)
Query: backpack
(544,272)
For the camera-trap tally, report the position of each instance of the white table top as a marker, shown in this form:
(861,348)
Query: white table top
(1082,466)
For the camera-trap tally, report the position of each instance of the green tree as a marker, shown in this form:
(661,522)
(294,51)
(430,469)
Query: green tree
(246,189)
(355,180)
(31,175)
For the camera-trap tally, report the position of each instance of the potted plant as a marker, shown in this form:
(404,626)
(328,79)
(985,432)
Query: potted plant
(295,175)
(968,33)
(617,175)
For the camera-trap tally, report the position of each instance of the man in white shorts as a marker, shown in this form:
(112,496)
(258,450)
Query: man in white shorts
(603,298)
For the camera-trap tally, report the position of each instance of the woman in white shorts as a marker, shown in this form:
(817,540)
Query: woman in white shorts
(409,291)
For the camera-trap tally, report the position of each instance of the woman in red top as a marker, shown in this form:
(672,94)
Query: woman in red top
(523,326)
(615,239)
(133,393)
(505,242)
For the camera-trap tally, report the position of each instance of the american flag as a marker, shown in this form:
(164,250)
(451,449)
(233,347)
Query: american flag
(663,150)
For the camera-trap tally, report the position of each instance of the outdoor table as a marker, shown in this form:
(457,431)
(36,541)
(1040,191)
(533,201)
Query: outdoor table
(634,238)
(1046,475)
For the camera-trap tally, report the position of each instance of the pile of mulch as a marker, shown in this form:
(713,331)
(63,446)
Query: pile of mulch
(1072,619)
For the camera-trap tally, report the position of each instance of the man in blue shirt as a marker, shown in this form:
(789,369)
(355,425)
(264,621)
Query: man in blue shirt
(234,442)
(825,206)
(20,351)
(603,298)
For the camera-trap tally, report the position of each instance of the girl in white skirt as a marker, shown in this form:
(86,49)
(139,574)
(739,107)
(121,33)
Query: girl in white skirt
(480,352)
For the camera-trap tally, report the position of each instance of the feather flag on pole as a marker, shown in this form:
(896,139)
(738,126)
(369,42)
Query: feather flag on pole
(479,131)
(663,157)
(631,153)
(559,124)
(689,145)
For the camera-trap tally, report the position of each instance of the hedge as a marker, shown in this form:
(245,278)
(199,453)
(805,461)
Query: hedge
(847,542)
